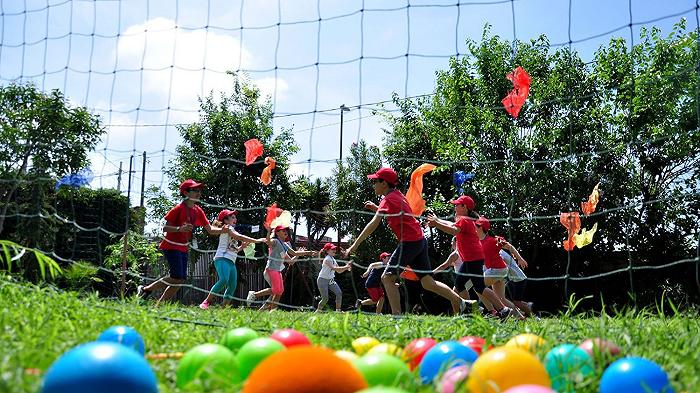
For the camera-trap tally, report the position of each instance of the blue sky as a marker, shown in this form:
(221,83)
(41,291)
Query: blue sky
(142,64)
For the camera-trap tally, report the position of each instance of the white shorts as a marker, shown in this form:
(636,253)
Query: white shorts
(496,273)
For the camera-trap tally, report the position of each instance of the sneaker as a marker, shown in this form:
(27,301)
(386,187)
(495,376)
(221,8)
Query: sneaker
(358,304)
(462,305)
(204,305)
(142,292)
(250,298)
(505,312)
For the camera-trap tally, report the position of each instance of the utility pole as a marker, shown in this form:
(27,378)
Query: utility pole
(143,178)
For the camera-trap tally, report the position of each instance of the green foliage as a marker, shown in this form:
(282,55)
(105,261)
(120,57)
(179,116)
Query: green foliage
(80,276)
(140,252)
(13,254)
(43,137)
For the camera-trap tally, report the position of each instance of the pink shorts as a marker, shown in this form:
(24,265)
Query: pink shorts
(274,278)
(375,293)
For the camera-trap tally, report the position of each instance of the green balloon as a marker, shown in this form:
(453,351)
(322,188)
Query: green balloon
(382,369)
(255,351)
(212,364)
(235,338)
(567,366)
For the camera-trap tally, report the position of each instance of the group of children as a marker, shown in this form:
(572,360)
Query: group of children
(480,259)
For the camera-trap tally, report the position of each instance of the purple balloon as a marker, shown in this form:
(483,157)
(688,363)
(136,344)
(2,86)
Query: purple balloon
(529,389)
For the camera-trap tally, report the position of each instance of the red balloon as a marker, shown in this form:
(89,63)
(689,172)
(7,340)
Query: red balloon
(415,350)
(474,342)
(290,337)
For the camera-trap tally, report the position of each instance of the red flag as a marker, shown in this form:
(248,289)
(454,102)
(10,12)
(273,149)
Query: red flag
(521,89)
(572,223)
(266,176)
(253,149)
(414,195)
(272,213)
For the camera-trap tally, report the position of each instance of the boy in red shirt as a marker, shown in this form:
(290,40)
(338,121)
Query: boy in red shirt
(412,248)
(180,222)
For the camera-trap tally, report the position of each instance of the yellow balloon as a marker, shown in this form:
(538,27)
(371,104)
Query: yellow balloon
(505,367)
(346,355)
(387,348)
(527,341)
(363,344)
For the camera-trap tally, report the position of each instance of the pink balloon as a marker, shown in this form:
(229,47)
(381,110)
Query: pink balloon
(529,389)
(454,377)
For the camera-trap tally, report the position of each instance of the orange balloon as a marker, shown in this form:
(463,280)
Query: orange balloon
(506,367)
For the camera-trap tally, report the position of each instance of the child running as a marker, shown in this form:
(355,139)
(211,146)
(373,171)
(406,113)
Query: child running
(453,260)
(517,279)
(495,268)
(180,222)
(373,274)
(279,252)
(470,250)
(412,248)
(225,257)
(326,277)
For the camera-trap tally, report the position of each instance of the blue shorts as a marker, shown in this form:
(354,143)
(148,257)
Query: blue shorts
(177,261)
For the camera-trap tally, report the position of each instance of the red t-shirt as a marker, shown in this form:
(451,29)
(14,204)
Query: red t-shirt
(405,226)
(468,244)
(178,216)
(492,253)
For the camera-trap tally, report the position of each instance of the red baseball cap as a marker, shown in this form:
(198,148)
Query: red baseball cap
(189,183)
(484,223)
(384,255)
(329,246)
(225,213)
(280,227)
(387,174)
(465,200)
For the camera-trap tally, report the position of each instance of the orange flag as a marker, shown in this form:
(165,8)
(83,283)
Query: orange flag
(253,149)
(589,206)
(272,213)
(572,223)
(266,176)
(414,195)
(409,274)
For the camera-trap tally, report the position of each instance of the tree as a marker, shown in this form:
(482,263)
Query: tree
(43,137)
(212,152)
(628,120)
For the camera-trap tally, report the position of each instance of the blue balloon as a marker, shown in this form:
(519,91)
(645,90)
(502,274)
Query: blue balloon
(100,367)
(444,356)
(126,336)
(635,375)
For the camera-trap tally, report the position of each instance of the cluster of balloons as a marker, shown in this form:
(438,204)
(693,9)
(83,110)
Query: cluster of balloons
(287,361)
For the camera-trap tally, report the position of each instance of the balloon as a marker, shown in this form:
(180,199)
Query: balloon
(253,149)
(387,348)
(567,366)
(415,350)
(290,337)
(443,356)
(454,379)
(304,369)
(126,336)
(235,338)
(505,367)
(382,369)
(530,389)
(474,342)
(212,363)
(363,344)
(600,350)
(101,366)
(527,341)
(346,355)
(635,375)
(254,352)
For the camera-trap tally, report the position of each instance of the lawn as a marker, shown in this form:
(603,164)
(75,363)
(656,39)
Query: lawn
(40,323)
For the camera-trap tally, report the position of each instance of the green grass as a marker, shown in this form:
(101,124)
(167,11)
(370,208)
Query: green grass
(40,323)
